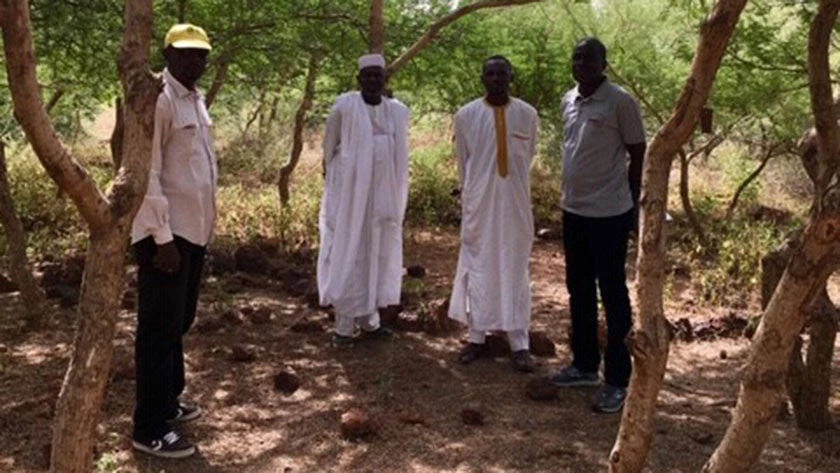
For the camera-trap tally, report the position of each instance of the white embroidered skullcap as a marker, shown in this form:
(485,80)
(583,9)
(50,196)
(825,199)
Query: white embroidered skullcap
(371,60)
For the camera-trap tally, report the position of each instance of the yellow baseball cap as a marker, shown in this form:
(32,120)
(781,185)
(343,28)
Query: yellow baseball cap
(187,36)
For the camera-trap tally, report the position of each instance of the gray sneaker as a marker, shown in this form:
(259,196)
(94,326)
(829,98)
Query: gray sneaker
(570,376)
(171,445)
(609,399)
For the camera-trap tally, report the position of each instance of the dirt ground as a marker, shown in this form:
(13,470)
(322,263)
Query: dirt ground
(410,385)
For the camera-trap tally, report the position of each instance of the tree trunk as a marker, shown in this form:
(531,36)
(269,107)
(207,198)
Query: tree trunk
(80,401)
(808,268)
(377,26)
(117,135)
(685,199)
(809,381)
(21,272)
(108,216)
(749,180)
(182,11)
(649,342)
(222,66)
(297,136)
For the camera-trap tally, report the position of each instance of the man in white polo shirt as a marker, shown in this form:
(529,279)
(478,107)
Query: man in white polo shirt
(603,128)
(169,236)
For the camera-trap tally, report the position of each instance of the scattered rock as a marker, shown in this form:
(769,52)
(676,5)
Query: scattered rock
(549,234)
(731,325)
(416,271)
(250,259)
(703,438)
(412,418)
(541,345)
(769,214)
(233,317)
(233,286)
(356,424)
(307,326)
(68,296)
(286,382)
(539,389)
(472,415)
(683,330)
(261,315)
(209,324)
(389,315)
(243,353)
(269,246)
(7,285)
(299,288)
(221,262)
(68,272)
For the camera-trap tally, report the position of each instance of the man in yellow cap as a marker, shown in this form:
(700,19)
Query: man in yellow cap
(169,236)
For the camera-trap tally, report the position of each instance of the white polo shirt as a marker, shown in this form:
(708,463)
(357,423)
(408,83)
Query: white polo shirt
(595,159)
(181,197)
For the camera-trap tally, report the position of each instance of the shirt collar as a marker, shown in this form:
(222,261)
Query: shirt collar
(177,86)
(600,93)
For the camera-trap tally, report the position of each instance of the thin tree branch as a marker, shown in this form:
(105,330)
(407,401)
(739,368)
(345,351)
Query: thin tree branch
(442,23)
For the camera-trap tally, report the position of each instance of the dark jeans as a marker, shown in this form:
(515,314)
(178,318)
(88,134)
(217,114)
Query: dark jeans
(596,250)
(166,309)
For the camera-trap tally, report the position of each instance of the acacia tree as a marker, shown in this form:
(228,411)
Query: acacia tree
(649,342)
(108,214)
(812,260)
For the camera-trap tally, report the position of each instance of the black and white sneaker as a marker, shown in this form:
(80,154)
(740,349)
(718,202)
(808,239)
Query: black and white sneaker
(171,445)
(186,413)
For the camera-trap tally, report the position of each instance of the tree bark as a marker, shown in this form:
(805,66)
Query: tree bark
(377,26)
(808,268)
(21,271)
(650,339)
(108,216)
(300,123)
(442,23)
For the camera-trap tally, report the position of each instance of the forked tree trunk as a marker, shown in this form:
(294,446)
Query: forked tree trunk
(749,180)
(649,342)
(108,216)
(21,271)
(808,268)
(300,123)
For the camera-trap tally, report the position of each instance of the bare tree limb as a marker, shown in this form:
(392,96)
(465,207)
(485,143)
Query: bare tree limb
(442,23)
(377,26)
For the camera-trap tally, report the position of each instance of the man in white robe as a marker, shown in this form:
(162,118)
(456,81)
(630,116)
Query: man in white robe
(360,262)
(496,138)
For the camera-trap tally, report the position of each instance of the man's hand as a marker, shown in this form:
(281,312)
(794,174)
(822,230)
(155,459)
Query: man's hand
(167,259)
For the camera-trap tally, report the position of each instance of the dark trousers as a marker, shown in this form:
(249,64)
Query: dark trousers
(166,309)
(596,250)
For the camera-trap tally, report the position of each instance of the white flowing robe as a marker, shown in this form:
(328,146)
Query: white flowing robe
(360,262)
(492,282)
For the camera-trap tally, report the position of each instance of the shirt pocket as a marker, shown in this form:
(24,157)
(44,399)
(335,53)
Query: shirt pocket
(521,141)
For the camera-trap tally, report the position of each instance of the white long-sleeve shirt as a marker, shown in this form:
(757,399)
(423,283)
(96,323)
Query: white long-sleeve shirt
(181,197)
